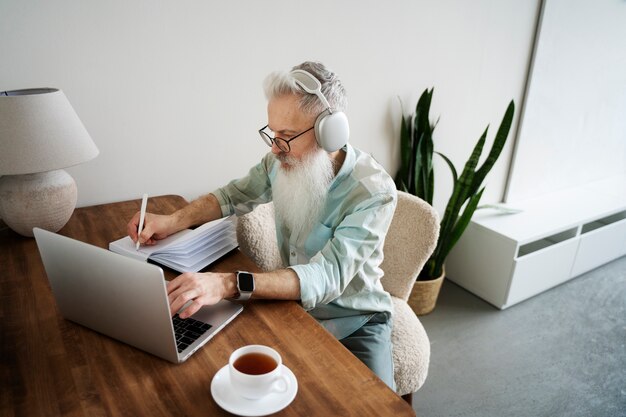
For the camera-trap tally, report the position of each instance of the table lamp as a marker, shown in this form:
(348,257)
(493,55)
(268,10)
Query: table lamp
(40,133)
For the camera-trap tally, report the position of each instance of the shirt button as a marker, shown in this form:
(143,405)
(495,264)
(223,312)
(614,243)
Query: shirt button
(293,253)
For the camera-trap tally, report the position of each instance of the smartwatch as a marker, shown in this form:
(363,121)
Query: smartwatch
(245,285)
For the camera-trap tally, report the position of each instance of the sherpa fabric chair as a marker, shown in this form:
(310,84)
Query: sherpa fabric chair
(411,239)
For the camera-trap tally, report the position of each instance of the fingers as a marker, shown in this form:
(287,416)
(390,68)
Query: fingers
(151,231)
(191,309)
(200,289)
(132,226)
(184,288)
(146,233)
(179,292)
(145,237)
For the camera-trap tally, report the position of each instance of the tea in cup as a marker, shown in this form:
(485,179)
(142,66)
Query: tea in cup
(255,371)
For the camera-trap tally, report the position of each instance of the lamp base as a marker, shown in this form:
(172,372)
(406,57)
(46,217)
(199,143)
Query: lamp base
(46,200)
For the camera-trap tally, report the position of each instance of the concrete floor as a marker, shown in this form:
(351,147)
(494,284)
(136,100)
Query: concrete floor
(561,353)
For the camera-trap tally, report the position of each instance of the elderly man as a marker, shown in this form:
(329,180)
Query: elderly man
(333,206)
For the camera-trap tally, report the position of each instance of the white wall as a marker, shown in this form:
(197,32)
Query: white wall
(171,91)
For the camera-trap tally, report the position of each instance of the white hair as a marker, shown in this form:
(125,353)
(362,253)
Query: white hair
(280,83)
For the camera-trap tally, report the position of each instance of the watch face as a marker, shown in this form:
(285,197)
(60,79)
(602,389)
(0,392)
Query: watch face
(245,281)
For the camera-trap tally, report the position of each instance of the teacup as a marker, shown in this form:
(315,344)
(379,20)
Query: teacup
(255,371)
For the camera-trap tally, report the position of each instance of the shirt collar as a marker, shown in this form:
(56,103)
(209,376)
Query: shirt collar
(346,168)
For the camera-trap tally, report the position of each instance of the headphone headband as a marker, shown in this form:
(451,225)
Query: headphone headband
(306,81)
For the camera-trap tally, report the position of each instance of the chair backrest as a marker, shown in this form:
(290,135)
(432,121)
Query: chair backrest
(410,241)
(256,235)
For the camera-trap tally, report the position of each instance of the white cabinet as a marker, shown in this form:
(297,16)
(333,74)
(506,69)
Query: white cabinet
(507,258)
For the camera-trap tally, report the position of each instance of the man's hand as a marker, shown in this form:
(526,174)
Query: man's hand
(155,227)
(200,288)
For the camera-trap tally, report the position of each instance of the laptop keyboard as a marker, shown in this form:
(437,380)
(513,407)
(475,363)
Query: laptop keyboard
(188,331)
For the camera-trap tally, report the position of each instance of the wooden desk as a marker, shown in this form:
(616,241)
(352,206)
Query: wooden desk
(50,366)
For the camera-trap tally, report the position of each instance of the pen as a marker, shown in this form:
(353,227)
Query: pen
(142,217)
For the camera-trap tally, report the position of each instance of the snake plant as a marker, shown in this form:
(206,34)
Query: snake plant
(416,176)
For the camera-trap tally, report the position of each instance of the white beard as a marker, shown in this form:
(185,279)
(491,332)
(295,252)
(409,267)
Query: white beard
(300,191)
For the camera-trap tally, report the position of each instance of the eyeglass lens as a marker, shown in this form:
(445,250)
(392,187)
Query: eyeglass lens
(280,143)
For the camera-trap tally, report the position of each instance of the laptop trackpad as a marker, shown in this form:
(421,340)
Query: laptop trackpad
(218,314)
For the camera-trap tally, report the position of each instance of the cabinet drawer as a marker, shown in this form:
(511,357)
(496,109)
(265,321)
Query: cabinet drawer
(542,269)
(599,246)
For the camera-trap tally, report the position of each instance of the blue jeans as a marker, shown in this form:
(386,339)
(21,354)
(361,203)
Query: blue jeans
(372,345)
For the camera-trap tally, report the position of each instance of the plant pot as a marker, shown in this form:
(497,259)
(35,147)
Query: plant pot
(424,294)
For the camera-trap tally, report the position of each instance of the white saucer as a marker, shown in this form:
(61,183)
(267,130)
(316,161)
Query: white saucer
(229,400)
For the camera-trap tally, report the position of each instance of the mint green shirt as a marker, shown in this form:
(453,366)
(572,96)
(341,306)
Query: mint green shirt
(338,259)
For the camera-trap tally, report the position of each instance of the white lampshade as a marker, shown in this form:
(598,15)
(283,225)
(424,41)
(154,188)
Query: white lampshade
(40,133)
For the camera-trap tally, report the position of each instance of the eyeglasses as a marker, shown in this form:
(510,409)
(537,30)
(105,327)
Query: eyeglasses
(281,143)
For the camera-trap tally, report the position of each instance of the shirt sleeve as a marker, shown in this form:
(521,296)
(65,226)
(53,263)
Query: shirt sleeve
(242,195)
(355,250)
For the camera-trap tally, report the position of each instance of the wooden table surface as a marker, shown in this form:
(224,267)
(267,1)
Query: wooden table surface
(50,366)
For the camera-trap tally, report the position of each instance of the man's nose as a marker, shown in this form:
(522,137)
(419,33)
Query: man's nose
(275,149)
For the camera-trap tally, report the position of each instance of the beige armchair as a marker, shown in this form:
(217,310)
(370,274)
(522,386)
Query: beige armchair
(411,239)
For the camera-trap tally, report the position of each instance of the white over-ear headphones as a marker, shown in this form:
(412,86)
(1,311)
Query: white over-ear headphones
(331,127)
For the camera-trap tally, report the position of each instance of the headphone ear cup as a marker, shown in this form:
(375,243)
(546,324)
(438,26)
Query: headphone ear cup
(332,130)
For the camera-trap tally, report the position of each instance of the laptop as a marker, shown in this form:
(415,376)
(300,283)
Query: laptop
(124,298)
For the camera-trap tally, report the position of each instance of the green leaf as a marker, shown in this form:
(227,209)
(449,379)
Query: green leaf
(464,182)
(498,143)
(451,165)
(405,149)
(462,222)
